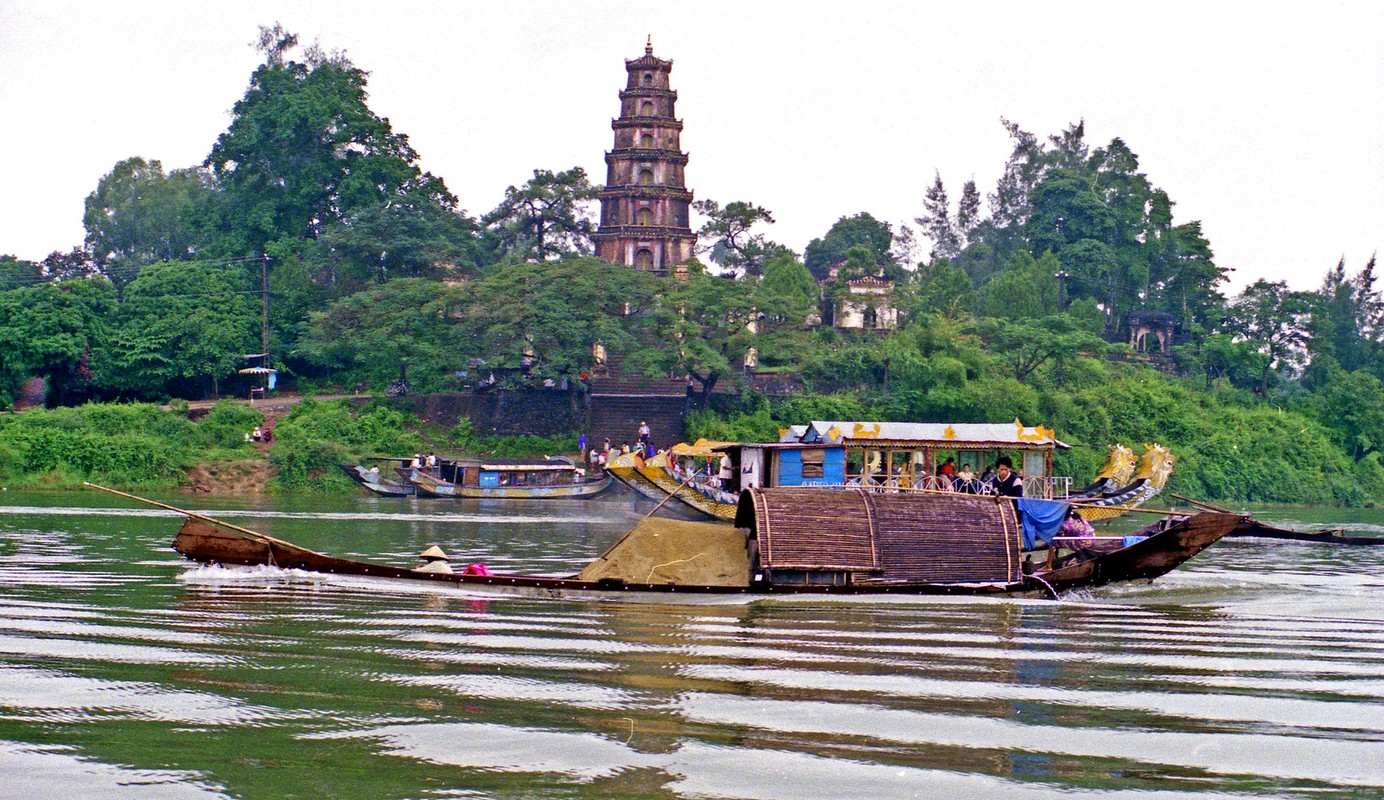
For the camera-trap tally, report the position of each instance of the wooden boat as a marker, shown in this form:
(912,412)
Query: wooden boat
(374,481)
(822,461)
(657,479)
(795,541)
(1256,529)
(1150,476)
(1253,528)
(501,479)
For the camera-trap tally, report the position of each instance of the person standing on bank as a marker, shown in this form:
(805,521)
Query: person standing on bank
(644,432)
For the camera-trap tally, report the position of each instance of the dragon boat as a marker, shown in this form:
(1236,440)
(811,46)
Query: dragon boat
(1149,477)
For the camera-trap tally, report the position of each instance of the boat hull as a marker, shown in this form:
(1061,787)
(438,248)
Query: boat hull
(203,542)
(1253,528)
(381,487)
(656,483)
(428,486)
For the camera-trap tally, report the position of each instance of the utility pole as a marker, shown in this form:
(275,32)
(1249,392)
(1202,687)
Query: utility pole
(264,302)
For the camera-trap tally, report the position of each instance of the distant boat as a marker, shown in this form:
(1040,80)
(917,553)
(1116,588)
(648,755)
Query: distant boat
(374,481)
(887,457)
(505,479)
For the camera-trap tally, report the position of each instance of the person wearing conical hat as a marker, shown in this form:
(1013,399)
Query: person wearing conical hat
(434,560)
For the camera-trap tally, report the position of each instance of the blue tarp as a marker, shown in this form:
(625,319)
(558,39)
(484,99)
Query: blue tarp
(1041,519)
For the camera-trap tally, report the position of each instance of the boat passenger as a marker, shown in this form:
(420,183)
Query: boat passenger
(966,480)
(434,560)
(1007,481)
(1076,525)
(373,474)
(726,471)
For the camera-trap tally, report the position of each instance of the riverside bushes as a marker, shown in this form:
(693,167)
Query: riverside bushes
(134,444)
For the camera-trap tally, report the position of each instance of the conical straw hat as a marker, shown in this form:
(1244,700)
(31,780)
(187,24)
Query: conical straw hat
(434,552)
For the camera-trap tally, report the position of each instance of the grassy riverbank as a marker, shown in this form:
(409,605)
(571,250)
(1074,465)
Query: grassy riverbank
(143,446)
(1232,452)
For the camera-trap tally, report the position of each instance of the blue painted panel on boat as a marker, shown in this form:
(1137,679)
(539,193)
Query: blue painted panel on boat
(490,478)
(833,468)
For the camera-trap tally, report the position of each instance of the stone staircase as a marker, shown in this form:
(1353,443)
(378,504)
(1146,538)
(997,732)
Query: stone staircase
(617,417)
(621,399)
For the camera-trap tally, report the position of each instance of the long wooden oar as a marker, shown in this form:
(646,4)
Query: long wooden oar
(1202,504)
(256,535)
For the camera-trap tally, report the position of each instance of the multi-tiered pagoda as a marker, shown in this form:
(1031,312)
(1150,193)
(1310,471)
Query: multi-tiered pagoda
(645,203)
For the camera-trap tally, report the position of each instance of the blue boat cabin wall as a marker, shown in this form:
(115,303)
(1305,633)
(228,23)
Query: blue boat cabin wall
(832,467)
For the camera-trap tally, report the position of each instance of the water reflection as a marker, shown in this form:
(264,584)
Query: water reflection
(1254,670)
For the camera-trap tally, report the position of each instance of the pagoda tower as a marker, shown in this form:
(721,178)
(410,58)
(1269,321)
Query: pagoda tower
(645,203)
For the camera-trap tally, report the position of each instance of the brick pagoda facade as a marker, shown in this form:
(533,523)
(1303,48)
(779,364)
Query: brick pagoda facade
(645,204)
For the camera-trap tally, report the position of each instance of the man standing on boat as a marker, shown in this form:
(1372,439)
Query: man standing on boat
(644,433)
(1007,481)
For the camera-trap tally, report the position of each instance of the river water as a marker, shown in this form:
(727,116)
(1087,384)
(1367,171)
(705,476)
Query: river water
(1255,670)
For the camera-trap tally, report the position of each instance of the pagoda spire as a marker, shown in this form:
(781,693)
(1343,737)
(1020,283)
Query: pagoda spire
(645,205)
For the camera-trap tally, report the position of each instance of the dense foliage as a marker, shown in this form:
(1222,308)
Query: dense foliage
(372,272)
(125,444)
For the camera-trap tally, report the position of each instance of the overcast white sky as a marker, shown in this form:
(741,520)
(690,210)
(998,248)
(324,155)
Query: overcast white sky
(1264,121)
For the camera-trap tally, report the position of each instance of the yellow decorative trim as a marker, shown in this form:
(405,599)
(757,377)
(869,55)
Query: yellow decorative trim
(862,432)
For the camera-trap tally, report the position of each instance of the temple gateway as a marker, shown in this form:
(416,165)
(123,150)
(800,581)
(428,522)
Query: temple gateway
(645,203)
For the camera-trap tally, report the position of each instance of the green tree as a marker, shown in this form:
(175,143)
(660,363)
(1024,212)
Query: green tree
(558,310)
(371,334)
(936,222)
(138,215)
(1274,319)
(845,233)
(181,329)
(50,330)
(786,295)
(544,218)
(1024,346)
(16,273)
(729,238)
(701,327)
(303,150)
(1026,289)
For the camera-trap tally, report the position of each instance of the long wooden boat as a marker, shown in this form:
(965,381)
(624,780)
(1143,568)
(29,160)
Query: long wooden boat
(377,483)
(791,542)
(1253,528)
(551,478)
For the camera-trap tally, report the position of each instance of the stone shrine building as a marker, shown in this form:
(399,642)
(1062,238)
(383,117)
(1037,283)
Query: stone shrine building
(645,205)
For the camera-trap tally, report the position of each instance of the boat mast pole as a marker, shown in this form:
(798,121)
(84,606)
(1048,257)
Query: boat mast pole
(194,515)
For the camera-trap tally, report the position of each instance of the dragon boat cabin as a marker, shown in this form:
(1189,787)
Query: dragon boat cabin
(901,455)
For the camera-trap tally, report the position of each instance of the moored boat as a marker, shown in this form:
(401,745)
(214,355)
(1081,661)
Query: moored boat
(372,479)
(549,478)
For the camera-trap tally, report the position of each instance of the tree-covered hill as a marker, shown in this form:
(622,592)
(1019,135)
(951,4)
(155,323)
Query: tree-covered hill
(1021,308)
